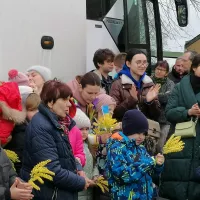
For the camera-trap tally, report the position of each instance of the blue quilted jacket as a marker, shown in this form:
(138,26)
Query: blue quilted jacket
(129,169)
(45,139)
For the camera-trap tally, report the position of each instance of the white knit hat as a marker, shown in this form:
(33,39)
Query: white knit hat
(81,119)
(43,71)
(25,91)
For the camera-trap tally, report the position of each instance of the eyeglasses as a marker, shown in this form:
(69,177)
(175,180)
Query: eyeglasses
(140,63)
(160,69)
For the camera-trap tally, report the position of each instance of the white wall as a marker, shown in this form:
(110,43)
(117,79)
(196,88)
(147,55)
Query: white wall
(24,22)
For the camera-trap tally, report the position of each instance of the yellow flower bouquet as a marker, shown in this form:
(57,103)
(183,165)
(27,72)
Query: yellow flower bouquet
(39,172)
(174,144)
(105,124)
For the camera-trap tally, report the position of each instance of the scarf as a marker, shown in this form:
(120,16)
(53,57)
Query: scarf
(160,81)
(65,122)
(195,82)
(126,71)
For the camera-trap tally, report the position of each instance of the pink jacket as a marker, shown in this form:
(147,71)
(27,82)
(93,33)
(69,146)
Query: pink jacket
(76,141)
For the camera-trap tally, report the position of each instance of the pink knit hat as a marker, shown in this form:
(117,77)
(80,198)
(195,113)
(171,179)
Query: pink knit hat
(20,78)
(104,99)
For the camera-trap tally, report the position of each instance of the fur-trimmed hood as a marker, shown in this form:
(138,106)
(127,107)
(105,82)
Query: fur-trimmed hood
(126,80)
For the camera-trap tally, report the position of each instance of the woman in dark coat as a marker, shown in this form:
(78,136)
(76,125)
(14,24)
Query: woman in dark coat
(180,180)
(47,138)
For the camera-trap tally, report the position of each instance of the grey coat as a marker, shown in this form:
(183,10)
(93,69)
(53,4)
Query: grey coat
(164,93)
(7,176)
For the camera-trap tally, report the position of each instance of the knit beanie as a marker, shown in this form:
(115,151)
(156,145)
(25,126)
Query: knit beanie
(104,99)
(43,71)
(81,119)
(133,122)
(18,77)
(25,91)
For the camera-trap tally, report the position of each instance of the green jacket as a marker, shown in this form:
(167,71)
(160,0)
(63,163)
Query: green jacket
(179,179)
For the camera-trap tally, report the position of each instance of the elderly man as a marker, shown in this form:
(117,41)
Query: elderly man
(187,58)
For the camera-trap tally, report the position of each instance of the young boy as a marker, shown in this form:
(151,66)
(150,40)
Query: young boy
(119,61)
(129,166)
(103,61)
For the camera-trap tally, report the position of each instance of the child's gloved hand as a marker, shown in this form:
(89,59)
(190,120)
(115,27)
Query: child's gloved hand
(160,159)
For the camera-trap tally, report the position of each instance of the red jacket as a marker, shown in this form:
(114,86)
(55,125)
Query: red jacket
(10,109)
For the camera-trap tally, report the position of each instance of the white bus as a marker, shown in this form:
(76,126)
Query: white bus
(64,34)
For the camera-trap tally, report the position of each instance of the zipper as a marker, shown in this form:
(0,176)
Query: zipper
(55,194)
(147,190)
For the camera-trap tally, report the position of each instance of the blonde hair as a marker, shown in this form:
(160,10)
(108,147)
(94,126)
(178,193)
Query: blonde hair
(119,59)
(32,102)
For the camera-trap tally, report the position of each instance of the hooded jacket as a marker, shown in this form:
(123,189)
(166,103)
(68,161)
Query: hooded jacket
(120,92)
(129,169)
(10,109)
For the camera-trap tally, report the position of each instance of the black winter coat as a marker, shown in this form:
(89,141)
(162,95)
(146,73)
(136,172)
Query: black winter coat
(17,143)
(45,139)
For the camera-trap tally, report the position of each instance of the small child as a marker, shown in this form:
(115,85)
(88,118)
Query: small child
(10,110)
(129,166)
(30,103)
(83,123)
(119,61)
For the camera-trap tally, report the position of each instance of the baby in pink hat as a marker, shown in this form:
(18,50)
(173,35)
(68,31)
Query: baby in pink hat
(102,100)
(18,77)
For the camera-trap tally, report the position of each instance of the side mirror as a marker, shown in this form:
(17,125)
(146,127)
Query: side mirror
(182,12)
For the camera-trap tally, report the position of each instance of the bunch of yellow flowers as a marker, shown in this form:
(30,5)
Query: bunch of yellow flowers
(105,124)
(39,172)
(174,144)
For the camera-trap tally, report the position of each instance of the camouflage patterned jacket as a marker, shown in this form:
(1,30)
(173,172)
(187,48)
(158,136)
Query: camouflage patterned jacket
(129,169)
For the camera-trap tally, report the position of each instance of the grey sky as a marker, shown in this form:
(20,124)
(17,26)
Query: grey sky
(192,30)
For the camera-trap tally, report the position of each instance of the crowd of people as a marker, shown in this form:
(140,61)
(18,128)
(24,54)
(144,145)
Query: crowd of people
(46,119)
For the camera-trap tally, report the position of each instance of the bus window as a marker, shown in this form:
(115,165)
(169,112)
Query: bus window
(97,9)
(152,31)
(136,25)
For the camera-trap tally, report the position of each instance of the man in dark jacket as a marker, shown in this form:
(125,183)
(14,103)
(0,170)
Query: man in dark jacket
(177,72)
(103,60)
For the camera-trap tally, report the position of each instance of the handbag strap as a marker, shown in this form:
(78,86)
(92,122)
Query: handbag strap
(194,119)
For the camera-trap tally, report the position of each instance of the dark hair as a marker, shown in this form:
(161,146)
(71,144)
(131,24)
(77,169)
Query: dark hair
(192,54)
(132,52)
(163,64)
(53,90)
(89,78)
(195,62)
(101,55)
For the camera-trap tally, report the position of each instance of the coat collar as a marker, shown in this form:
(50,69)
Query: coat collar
(126,80)
(187,92)
(52,116)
